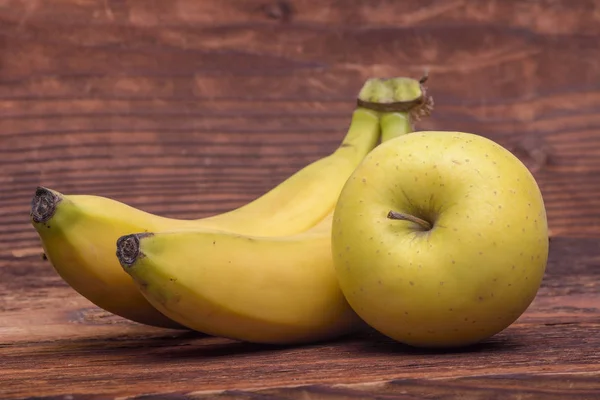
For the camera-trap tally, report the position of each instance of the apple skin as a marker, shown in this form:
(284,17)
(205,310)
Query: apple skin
(470,276)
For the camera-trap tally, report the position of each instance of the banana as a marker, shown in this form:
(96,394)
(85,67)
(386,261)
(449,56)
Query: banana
(274,290)
(78,232)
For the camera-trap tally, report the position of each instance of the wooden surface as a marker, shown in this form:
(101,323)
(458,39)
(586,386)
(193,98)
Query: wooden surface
(189,108)
(54,343)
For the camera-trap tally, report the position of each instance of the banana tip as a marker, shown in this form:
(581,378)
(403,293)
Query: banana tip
(43,204)
(128,249)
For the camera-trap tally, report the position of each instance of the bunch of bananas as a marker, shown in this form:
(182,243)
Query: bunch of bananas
(261,273)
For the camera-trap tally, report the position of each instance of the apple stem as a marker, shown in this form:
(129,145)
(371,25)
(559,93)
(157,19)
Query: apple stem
(407,217)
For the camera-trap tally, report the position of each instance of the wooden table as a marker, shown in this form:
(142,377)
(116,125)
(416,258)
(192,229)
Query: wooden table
(189,108)
(54,343)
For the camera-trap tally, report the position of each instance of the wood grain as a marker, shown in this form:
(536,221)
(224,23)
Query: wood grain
(55,343)
(188,108)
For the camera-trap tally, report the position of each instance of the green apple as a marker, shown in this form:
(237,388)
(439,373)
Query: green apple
(440,239)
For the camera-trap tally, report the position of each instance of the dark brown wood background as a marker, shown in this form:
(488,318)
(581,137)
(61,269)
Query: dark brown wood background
(189,108)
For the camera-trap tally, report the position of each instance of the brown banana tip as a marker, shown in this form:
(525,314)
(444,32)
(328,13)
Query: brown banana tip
(128,250)
(43,205)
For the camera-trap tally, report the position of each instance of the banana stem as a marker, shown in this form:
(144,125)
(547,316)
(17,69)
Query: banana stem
(394,124)
(399,101)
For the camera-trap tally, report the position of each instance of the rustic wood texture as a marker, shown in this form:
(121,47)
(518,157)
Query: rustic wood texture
(189,108)
(53,342)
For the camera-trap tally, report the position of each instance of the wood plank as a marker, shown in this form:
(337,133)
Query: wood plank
(555,16)
(511,386)
(53,342)
(222,102)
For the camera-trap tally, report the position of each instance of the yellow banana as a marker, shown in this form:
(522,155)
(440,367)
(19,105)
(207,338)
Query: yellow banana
(277,290)
(78,232)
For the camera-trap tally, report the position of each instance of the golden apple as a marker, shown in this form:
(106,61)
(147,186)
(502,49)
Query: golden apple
(440,238)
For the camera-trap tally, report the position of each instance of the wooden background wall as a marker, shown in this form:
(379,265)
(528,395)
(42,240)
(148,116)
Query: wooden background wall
(188,108)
